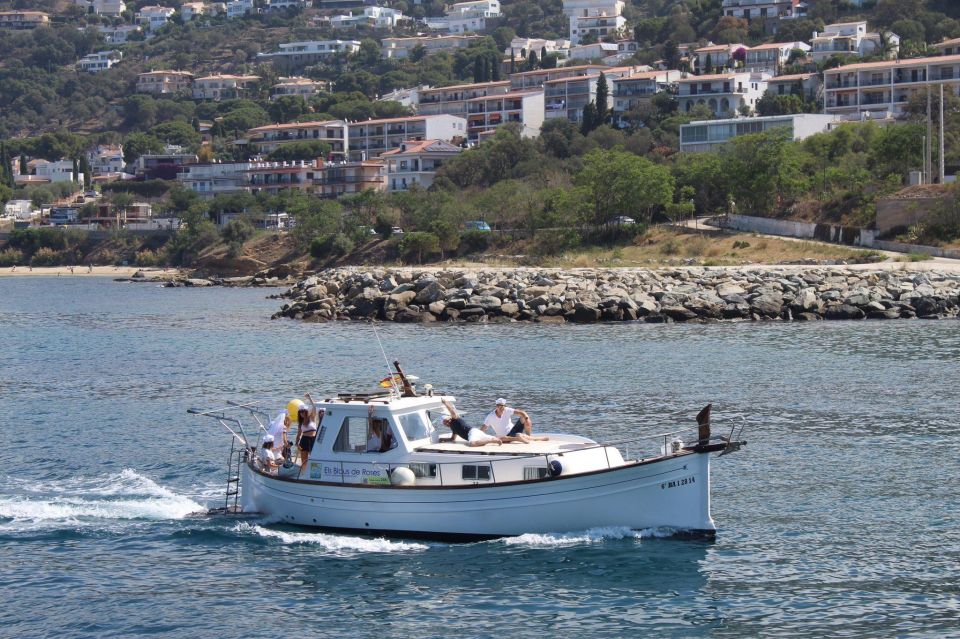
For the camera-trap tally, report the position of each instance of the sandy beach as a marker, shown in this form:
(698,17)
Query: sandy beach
(84,271)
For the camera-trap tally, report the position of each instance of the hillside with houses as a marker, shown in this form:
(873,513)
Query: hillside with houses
(338,121)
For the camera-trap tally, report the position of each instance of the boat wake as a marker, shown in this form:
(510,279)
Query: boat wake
(590,536)
(87,502)
(344,544)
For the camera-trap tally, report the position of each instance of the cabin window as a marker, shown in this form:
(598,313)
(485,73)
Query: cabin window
(475,473)
(534,472)
(358,436)
(421,469)
(415,426)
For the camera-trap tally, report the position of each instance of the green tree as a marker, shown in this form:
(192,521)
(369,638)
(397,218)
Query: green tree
(603,92)
(235,233)
(615,183)
(768,169)
(137,144)
(588,121)
(177,132)
(417,243)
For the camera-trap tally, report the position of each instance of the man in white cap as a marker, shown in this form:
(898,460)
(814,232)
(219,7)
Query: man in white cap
(498,420)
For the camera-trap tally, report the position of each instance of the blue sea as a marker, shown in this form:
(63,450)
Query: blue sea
(839,518)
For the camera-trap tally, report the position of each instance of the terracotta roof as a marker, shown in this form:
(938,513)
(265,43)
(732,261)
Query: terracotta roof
(295,125)
(773,45)
(184,73)
(645,75)
(718,47)
(791,78)
(946,42)
(465,86)
(716,76)
(892,64)
(421,146)
(252,78)
(547,71)
(512,94)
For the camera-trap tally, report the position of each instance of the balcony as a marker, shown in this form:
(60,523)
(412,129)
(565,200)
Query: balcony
(875,82)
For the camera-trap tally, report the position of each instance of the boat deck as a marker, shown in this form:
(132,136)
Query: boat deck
(555,445)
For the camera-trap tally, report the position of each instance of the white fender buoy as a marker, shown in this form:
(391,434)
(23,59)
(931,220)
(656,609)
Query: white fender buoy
(402,476)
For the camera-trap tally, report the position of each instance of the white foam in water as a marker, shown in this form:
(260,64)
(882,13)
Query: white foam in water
(332,543)
(88,501)
(590,536)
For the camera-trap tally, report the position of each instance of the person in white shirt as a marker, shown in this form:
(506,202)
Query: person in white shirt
(498,420)
(268,459)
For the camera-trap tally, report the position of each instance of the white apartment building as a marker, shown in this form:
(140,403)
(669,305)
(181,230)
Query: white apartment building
(600,26)
(118,34)
(948,47)
(464,17)
(595,51)
(109,8)
(106,160)
(770,58)
(238,8)
(632,90)
(485,114)
(100,61)
(416,163)
(333,179)
(304,87)
(377,17)
(154,17)
(626,49)
(370,139)
(874,89)
(265,139)
(850,38)
(285,5)
(18,20)
(192,10)
(715,56)
(452,100)
(217,178)
(224,87)
(575,10)
(567,96)
(537,78)
(764,9)
(724,94)
(804,85)
(400,48)
(297,55)
(164,82)
(709,135)
(408,97)
(520,48)
(59,171)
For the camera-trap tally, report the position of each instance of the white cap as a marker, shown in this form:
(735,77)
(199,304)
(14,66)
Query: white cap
(267,439)
(501,401)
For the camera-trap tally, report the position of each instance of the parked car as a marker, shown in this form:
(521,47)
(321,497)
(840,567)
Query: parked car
(623,219)
(396,231)
(476,225)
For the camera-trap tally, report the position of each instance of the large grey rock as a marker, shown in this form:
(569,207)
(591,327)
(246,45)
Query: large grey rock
(430,293)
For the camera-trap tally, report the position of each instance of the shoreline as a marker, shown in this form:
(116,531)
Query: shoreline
(88,271)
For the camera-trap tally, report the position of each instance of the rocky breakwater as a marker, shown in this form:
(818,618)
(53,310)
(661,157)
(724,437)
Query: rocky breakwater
(614,295)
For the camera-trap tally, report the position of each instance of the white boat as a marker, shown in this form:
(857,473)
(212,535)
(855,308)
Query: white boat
(424,487)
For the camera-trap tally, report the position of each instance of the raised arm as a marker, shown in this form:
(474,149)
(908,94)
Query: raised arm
(450,408)
(313,406)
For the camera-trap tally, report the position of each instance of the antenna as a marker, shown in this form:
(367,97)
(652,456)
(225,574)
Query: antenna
(386,360)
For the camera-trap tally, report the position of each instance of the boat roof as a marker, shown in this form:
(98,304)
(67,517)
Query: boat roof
(557,444)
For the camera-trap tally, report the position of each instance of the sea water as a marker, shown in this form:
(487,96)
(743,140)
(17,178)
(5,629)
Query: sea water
(838,518)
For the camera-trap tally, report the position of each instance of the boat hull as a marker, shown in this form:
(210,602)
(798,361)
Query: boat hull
(671,493)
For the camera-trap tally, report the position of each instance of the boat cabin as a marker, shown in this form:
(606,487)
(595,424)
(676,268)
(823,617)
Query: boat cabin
(364,438)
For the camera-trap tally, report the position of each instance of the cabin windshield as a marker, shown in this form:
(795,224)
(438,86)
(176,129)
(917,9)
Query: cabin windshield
(415,425)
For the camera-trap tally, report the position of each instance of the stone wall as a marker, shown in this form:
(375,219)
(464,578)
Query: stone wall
(614,295)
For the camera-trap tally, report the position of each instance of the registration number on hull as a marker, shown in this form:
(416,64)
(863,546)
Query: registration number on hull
(676,483)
